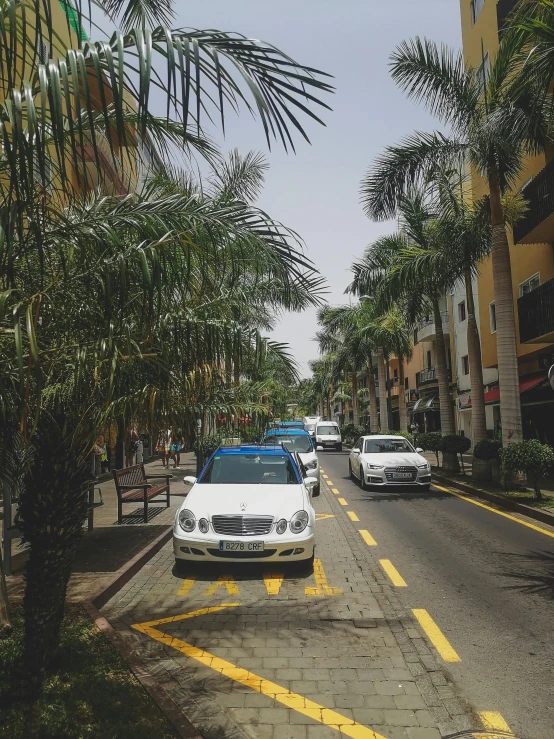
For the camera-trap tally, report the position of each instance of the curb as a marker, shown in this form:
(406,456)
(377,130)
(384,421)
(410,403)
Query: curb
(510,505)
(171,710)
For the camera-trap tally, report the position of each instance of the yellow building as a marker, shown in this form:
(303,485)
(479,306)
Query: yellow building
(531,248)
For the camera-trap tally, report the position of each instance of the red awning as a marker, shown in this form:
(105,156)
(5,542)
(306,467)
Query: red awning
(493,396)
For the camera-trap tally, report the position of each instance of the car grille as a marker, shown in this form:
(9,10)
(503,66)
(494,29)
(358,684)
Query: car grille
(242,555)
(389,472)
(242,525)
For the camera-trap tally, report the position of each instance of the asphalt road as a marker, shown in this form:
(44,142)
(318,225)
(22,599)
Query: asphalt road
(487,581)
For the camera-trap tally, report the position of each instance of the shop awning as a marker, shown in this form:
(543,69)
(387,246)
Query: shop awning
(493,396)
(424,405)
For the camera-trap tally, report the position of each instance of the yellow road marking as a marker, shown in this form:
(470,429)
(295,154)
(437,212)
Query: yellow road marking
(226,581)
(394,576)
(499,513)
(438,639)
(494,721)
(273,582)
(352,516)
(322,587)
(342,501)
(335,491)
(325,476)
(295,702)
(323,516)
(369,540)
(329,482)
(186,586)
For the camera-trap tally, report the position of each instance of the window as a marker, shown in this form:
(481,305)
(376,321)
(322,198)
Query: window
(465,365)
(462,311)
(387,446)
(529,285)
(396,375)
(406,383)
(476,7)
(254,469)
(492,316)
(429,360)
(483,72)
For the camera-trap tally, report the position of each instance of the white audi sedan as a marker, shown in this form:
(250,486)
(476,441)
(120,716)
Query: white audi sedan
(249,503)
(386,461)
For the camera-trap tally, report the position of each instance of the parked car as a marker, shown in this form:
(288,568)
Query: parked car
(328,436)
(290,425)
(388,461)
(298,441)
(249,503)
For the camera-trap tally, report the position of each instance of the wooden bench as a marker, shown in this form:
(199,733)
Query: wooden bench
(132,486)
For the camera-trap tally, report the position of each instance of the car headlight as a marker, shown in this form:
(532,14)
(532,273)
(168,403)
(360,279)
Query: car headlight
(203,525)
(376,466)
(299,522)
(281,526)
(423,466)
(187,521)
(311,465)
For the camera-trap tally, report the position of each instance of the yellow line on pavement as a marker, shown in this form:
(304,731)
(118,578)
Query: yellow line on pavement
(369,540)
(186,586)
(325,476)
(329,482)
(395,576)
(273,582)
(226,581)
(323,516)
(342,501)
(438,639)
(335,491)
(494,510)
(352,516)
(494,721)
(322,587)
(294,701)
(171,619)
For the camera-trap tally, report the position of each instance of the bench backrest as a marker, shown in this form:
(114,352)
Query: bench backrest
(130,475)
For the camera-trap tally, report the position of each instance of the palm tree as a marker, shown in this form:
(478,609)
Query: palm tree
(382,272)
(491,132)
(393,332)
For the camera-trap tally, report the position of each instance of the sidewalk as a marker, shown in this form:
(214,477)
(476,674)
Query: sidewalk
(110,546)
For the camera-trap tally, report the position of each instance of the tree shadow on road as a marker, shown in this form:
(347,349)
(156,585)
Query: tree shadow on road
(406,494)
(532,573)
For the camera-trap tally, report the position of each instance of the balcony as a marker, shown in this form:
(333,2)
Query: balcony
(538,225)
(427,331)
(503,10)
(430,374)
(536,315)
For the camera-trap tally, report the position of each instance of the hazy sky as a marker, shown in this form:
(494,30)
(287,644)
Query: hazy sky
(315,192)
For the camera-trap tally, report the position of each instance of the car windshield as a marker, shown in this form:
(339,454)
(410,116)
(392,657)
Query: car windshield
(250,469)
(327,430)
(300,443)
(386,446)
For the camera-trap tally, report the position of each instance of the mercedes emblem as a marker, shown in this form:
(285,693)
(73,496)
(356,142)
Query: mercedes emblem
(243,506)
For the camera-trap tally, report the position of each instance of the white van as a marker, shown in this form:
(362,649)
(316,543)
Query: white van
(327,435)
(310,424)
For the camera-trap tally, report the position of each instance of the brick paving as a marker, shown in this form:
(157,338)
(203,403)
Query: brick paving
(110,546)
(356,652)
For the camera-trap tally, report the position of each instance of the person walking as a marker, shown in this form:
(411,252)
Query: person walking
(100,454)
(414,429)
(177,443)
(164,446)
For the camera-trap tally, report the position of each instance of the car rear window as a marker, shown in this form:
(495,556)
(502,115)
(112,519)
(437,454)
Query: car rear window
(300,443)
(250,469)
(327,430)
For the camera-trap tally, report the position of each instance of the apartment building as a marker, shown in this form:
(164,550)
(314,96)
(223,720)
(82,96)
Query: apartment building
(532,256)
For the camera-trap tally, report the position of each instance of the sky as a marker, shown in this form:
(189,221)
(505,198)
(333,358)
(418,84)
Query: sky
(316,191)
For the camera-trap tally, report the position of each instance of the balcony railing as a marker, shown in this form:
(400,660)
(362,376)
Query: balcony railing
(540,195)
(503,10)
(430,374)
(536,313)
(426,328)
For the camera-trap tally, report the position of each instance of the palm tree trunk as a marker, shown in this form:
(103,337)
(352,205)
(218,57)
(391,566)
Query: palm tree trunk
(508,372)
(481,469)
(321,406)
(5,625)
(382,375)
(355,412)
(373,418)
(449,460)
(402,410)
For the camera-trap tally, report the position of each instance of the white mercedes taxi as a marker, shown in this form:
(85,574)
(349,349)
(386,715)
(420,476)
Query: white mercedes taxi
(249,503)
(386,461)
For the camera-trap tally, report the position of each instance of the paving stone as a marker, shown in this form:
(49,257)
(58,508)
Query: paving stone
(397,717)
(290,732)
(409,701)
(427,733)
(273,716)
(389,687)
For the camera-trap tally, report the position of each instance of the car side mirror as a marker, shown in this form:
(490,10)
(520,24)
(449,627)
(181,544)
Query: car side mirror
(190,480)
(310,483)
(319,448)
(419,450)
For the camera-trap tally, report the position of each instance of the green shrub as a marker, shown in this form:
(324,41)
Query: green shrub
(488,449)
(351,433)
(530,458)
(455,444)
(431,442)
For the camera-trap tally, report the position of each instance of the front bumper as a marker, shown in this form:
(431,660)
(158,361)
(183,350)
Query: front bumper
(277,548)
(378,478)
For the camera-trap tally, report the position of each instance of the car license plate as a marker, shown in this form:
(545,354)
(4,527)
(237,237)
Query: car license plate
(402,475)
(241,546)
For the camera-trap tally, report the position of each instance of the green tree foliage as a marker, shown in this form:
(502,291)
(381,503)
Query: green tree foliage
(431,442)
(531,458)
